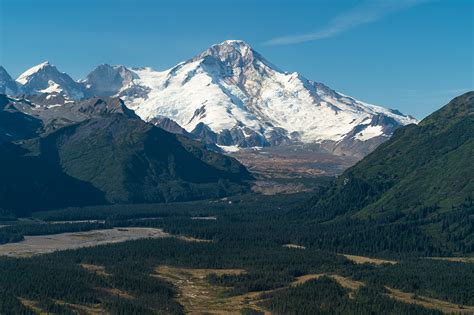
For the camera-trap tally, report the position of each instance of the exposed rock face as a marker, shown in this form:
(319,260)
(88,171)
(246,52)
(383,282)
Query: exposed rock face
(169,125)
(107,80)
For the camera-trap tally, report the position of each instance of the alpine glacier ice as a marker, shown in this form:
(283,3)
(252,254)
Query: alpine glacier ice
(245,100)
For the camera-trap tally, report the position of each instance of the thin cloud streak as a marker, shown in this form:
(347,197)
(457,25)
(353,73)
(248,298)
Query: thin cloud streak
(367,12)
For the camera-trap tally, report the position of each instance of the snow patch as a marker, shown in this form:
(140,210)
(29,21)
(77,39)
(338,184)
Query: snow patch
(52,88)
(369,132)
(229,148)
(23,78)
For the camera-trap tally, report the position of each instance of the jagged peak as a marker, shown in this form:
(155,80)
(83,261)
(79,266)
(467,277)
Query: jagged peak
(235,53)
(45,63)
(23,78)
(230,46)
(109,77)
(4,73)
(7,84)
(236,43)
(109,66)
(229,49)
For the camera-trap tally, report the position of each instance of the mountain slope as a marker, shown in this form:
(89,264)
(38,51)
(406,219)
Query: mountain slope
(14,124)
(423,176)
(32,183)
(100,148)
(434,169)
(425,165)
(7,84)
(132,161)
(244,100)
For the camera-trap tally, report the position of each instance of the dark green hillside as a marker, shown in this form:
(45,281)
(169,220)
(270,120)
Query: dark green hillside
(132,161)
(33,183)
(427,166)
(423,175)
(421,167)
(98,152)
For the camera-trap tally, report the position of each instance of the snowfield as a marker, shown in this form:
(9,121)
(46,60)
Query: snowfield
(229,95)
(231,85)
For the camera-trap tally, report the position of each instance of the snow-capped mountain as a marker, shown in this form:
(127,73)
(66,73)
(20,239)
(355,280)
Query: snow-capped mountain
(107,80)
(46,78)
(231,95)
(228,95)
(7,84)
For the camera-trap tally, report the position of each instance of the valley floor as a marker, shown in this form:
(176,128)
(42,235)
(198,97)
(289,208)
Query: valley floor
(291,169)
(42,244)
(224,256)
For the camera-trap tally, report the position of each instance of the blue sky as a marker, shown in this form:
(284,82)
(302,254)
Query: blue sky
(413,55)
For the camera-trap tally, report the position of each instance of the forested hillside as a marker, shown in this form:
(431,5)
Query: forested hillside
(423,168)
(98,152)
(421,180)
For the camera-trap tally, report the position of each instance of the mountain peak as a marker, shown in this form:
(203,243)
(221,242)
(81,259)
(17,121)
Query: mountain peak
(109,66)
(233,91)
(234,51)
(236,43)
(4,75)
(24,77)
(107,80)
(3,71)
(46,78)
(7,84)
(243,99)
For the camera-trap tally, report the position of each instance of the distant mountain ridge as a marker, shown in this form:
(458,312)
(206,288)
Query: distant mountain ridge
(97,151)
(230,95)
(57,116)
(16,125)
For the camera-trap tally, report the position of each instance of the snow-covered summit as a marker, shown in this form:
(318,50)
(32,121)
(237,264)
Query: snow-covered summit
(25,76)
(245,100)
(233,52)
(46,78)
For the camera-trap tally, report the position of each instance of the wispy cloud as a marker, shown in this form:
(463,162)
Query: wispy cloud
(364,13)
